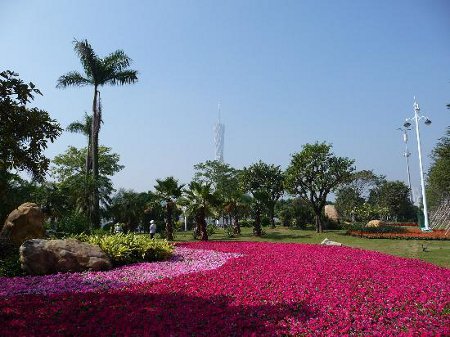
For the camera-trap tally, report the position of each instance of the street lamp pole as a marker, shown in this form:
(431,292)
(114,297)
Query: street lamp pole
(184,208)
(407,124)
(406,154)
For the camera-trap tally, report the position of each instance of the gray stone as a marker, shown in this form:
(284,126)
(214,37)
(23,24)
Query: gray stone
(24,223)
(327,242)
(39,257)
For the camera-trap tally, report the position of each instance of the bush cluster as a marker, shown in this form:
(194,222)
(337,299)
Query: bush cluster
(130,248)
(381,229)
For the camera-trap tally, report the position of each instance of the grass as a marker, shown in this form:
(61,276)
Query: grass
(436,252)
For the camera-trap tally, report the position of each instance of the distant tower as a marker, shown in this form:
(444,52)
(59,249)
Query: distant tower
(219,135)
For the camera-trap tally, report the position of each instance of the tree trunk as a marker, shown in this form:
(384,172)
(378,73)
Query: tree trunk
(236,225)
(96,119)
(257,226)
(272,218)
(169,224)
(201,223)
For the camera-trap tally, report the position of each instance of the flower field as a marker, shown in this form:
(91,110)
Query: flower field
(237,289)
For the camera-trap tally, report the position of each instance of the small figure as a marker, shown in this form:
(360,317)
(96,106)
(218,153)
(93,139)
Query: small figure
(117,228)
(152,229)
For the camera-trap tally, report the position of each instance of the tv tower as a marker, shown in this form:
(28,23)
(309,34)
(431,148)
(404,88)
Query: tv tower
(219,137)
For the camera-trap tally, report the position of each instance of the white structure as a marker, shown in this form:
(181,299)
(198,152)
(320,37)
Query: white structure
(219,137)
(406,154)
(416,118)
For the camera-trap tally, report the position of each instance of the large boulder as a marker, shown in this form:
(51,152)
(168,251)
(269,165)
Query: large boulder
(25,222)
(40,257)
(375,223)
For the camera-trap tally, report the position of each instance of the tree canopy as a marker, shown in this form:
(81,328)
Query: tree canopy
(314,172)
(24,135)
(438,178)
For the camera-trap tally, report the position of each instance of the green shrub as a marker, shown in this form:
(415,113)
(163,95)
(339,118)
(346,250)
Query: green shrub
(130,248)
(9,259)
(211,229)
(246,223)
(74,223)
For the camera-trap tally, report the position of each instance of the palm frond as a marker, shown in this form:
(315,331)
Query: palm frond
(117,61)
(73,78)
(123,77)
(90,61)
(81,127)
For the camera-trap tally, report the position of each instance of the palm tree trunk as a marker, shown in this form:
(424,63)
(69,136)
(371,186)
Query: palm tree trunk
(95,207)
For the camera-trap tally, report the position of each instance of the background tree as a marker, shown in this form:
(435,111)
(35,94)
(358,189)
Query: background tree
(315,172)
(69,172)
(24,135)
(294,212)
(438,179)
(168,191)
(200,201)
(128,207)
(265,183)
(111,70)
(394,196)
(355,192)
(224,182)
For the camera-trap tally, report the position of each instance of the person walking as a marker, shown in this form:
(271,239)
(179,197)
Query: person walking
(152,229)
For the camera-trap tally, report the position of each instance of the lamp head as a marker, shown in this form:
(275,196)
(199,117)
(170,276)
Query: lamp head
(427,121)
(407,124)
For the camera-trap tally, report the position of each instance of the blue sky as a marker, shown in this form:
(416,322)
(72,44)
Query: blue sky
(286,73)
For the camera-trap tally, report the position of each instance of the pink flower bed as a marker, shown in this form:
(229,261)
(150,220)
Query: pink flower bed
(263,289)
(184,261)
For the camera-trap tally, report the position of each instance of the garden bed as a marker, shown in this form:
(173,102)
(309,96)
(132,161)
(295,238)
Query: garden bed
(409,233)
(247,289)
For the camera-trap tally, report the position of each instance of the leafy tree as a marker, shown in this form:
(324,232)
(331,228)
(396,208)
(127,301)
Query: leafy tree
(315,172)
(129,207)
(200,201)
(294,212)
(69,172)
(394,196)
(224,182)
(438,180)
(24,135)
(265,183)
(110,70)
(356,192)
(236,206)
(168,191)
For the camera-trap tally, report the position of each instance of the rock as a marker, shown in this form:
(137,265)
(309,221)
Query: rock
(327,242)
(375,223)
(40,257)
(25,222)
(331,212)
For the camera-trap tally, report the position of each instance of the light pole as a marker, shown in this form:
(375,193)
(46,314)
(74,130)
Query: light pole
(184,208)
(406,154)
(407,124)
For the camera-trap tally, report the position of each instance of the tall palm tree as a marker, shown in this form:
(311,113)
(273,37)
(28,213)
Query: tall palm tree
(168,191)
(200,201)
(110,70)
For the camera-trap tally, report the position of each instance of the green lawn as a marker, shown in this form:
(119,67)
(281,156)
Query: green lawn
(437,252)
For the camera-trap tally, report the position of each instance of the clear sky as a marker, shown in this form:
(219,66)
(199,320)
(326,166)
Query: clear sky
(286,73)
